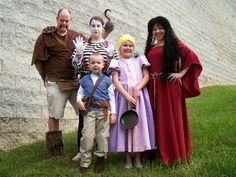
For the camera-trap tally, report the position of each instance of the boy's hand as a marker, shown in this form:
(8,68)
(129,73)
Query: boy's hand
(112,119)
(80,105)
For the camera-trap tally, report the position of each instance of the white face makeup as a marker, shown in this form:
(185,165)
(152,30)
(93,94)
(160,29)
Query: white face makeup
(96,27)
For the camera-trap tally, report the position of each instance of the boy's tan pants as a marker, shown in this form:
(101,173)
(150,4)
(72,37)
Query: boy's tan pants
(95,128)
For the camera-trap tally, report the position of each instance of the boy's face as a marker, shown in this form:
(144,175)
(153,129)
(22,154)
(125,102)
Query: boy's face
(96,63)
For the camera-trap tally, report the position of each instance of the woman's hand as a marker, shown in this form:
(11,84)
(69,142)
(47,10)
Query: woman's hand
(79,45)
(178,76)
(174,77)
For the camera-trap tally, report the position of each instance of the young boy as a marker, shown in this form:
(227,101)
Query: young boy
(97,120)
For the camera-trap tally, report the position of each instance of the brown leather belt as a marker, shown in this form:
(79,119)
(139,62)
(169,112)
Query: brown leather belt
(51,79)
(104,105)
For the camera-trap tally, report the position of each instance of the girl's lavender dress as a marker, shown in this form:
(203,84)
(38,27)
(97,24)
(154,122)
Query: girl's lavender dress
(142,136)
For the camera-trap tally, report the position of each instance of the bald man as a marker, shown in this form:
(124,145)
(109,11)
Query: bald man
(51,57)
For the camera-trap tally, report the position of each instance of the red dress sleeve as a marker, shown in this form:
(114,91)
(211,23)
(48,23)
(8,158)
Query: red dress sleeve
(190,80)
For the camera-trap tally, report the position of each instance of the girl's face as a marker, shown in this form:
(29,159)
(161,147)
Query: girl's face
(158,32)
(126,50)
(96,28)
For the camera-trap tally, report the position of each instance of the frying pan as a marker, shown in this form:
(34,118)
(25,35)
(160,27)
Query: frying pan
(129,119)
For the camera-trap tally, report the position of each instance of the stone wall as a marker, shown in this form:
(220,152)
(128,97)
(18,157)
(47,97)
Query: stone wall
(208,27)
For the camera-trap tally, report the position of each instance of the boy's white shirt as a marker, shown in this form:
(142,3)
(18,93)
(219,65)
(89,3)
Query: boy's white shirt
(111,93)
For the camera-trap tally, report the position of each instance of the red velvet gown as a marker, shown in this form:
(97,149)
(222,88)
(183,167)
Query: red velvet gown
(169,107)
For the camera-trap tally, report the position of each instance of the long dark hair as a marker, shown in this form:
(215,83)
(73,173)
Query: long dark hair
(171,52)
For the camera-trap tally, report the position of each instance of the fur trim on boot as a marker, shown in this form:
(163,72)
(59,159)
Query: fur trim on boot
(54,143)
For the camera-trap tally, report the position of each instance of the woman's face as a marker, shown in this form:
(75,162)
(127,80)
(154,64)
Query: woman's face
(158,32)
(96,28)
(126,50)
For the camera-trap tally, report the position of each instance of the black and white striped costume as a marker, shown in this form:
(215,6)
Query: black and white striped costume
(81,65)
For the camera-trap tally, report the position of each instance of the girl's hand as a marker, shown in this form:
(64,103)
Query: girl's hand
(136,93)
(80,104)
(112,119)
(132,101)
(174,77)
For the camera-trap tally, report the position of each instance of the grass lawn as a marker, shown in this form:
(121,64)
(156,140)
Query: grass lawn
(213,129)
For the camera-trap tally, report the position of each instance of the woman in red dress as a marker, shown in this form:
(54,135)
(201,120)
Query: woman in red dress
(174,73)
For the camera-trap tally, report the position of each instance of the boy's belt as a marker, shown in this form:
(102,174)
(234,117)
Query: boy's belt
(104,105)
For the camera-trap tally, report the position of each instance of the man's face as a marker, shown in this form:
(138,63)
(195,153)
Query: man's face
(63,21)
(96,28)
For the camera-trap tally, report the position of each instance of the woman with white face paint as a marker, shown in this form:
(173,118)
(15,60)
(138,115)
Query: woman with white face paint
(96,28)
(81,57)
(96,43)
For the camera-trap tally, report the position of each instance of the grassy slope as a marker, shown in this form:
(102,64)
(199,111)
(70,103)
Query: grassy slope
(213,127)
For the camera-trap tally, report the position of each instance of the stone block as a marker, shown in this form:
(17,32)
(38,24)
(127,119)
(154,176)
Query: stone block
(22,93)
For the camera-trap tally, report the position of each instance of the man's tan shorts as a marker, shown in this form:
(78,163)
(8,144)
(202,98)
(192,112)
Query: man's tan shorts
(57,100)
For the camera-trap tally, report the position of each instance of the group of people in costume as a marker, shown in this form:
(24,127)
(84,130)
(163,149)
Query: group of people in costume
(114,80)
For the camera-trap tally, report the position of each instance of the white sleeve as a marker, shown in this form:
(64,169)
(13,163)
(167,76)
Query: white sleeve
(112,100)
(80,93)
